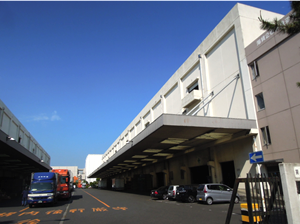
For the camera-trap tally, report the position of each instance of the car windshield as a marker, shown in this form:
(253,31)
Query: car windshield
(41,187)
(63,180)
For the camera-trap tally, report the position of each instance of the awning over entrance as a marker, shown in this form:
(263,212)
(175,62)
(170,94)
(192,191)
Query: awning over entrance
(15,158)
(174,135)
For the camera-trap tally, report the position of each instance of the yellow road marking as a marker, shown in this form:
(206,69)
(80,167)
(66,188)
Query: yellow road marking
(24,209)
(97,199)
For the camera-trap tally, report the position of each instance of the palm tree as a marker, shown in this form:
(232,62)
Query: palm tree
(291,27)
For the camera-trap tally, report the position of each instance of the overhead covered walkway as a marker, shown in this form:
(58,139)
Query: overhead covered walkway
(172,136)
(20,155)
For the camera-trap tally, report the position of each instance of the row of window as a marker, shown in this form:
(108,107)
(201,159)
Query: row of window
(193,86)
(266,138)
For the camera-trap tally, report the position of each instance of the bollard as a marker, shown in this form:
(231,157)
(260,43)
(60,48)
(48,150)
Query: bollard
(245,213)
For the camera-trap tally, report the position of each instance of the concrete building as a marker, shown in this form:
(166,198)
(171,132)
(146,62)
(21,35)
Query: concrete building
(20,154)
(274,63)
(74,169)
(81,174)
(201,125)
(92,161)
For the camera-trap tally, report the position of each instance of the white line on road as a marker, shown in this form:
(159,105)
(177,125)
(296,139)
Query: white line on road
(65,213)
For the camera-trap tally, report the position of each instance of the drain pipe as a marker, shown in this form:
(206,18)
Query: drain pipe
(201,77)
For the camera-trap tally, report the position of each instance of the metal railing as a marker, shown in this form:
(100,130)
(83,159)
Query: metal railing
(265,203)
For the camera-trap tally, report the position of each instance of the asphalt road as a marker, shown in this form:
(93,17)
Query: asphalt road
(104,206)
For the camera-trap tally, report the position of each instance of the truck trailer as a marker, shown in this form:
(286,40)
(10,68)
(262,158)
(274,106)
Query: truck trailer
(43,188)
(66,182)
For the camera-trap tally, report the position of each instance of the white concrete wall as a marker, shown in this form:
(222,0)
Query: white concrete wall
(74,169)
(290,173)
(10,125)
(92,162)
(222,58)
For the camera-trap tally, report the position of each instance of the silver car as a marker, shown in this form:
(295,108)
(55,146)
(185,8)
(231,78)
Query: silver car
(172,192)
(214,192)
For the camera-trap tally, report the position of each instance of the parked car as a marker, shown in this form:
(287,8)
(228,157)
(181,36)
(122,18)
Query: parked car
(214,192)
(160,193)
(186,193)
(172,192)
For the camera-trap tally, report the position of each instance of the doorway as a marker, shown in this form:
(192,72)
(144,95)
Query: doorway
(228,173)
(199,175)
(160,179)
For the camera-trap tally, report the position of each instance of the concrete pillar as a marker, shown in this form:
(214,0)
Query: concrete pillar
(290,175)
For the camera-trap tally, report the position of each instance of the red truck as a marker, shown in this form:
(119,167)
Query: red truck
(66,182)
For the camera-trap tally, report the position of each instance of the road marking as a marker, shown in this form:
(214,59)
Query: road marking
(97,199)
(24,209)
(67,209)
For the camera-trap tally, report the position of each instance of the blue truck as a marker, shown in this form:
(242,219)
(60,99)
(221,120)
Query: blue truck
(43,188)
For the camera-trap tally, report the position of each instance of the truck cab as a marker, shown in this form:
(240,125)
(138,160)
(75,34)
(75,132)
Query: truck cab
(43,188)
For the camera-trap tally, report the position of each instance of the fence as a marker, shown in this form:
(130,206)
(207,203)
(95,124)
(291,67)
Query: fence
(265,203)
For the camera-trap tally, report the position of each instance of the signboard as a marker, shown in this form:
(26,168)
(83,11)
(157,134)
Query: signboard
(256,157)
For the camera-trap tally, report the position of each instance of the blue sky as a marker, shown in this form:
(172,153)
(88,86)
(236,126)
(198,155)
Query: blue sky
(77,73)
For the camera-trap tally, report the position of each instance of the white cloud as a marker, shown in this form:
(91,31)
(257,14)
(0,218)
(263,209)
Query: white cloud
(45,117)
(55,116)
(41,117)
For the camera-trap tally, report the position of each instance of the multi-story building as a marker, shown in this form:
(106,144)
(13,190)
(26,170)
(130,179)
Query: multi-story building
(92,161)
(274,63)
(201,125)
(20,154)
(74,169)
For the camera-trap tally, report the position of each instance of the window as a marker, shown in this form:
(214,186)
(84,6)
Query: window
(214,187)
(192,87)
(260,101)
(266,135)
(254,70)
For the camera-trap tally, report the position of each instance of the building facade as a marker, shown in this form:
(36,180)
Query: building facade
(20,154)
(92,161)
(274,64)
(201,125)
(74,169)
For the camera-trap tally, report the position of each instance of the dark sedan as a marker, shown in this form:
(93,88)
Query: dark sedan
(160,193)
(186,193)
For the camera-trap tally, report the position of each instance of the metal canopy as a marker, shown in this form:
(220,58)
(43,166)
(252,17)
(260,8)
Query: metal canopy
(17,159)
(171,136)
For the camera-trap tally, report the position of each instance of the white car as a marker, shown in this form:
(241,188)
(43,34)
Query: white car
(215,192)
(172,192)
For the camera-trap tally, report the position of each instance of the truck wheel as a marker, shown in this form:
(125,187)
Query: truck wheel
(30,205)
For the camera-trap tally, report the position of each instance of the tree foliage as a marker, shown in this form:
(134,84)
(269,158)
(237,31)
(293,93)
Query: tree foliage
(282,26)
